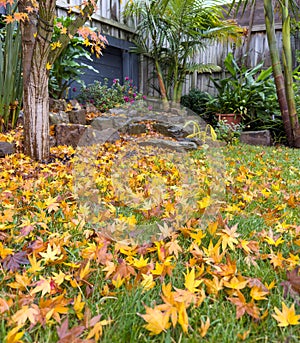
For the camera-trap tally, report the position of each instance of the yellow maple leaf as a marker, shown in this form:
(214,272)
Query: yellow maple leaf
(287,317)
(52,254)
(21,283)
(5,251)
(183,318)
(157,321)
(148,282)
(257,293)
(35,265)
(78,306)
(190,283)
(14,336)
(229,237)
(97,329)
(236,283)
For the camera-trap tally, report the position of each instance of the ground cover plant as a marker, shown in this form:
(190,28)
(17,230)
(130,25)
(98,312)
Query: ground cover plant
(236,280)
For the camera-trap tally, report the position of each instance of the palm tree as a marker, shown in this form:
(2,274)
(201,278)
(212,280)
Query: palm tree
(283,82)
(171,31)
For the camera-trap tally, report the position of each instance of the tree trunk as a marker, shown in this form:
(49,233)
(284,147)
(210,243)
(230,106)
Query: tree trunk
(36,39)
(277,70)
(288,74)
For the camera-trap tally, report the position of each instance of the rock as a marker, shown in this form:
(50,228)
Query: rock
(102,123)
(171,145)
(75,104)
(256,137)
(6,149)
(60,117)
(56,105)
(173,131)
(93,136)
(52,141)
(91,108)
(69,134)
(77,117)
(134,129)
(117,111)
(115,122)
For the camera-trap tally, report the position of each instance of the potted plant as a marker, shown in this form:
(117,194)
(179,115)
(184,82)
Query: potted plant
(242,93)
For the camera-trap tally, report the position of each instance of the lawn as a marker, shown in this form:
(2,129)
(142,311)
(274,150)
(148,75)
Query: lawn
(231,279)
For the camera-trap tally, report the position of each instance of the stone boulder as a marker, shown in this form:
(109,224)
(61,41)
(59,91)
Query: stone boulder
(262,137)
(56,105)
(178,146)
(69,134)
(60,117)
(77,116)
(6,149)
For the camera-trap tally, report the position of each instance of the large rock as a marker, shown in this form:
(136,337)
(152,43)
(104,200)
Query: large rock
(179,146)
(77,116)
(256,137)
(111,122)
(56,105)
(168,130)
(60,117)
(69,134)
(6,149)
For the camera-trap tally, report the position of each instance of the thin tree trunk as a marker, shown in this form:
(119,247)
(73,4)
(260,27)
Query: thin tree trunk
(277,71)
(162,87)
(288,77)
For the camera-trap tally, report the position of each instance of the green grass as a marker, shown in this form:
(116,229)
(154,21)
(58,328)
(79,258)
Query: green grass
(262,187)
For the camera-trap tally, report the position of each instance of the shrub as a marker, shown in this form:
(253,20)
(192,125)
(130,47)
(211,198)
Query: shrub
(197,101)
(104,97)
(230,133)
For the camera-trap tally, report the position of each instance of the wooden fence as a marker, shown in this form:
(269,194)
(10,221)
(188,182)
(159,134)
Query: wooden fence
(108,19)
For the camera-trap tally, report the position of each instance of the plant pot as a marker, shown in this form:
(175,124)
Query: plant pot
(229,118)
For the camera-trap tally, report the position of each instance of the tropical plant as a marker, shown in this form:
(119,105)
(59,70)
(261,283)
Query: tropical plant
(67,68)
(284,82)
(171,31)
(10,72)
(245,92)
(105,97)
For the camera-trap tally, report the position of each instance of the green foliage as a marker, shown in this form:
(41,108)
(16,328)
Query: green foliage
(171,31)
(67,69)
(104,97)
(197,101)
(11,87)
(248,92)
(296,85)
(230,133)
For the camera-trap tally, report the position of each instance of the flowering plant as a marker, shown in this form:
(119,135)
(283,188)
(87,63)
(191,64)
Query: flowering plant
(104,97)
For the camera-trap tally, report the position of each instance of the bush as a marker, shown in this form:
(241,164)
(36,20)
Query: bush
(197,101)
(104,97)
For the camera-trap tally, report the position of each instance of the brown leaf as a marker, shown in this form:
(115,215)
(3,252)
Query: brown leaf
(66,336)
(294,279)
(291,287)
(123,270)
(14,262)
